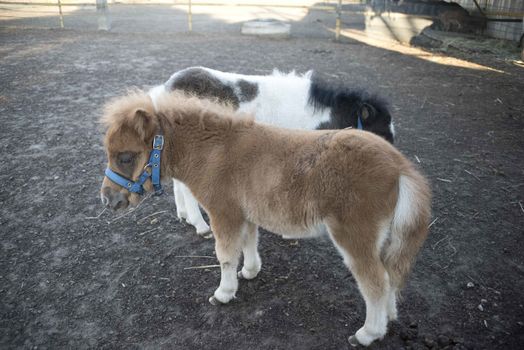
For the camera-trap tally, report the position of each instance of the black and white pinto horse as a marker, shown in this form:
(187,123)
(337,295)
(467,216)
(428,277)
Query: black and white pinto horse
(285,100)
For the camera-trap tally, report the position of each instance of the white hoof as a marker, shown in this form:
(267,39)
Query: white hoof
(202,229)
(246,274)
(363,337)
(207,235)
(221,297)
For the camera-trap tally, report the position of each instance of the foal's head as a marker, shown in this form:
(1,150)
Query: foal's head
(131,126)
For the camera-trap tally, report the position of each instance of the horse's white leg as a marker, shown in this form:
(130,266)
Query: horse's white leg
(372,278)
(252,262)
(194,216)
(228,245)
(392,304)
(376,297)
(181,211)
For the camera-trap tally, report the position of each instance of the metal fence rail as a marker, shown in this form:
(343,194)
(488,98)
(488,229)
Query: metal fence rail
(25,9)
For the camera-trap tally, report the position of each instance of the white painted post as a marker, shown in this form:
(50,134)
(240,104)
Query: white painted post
(337,25)
(189,17)
(61,15)
(103,18)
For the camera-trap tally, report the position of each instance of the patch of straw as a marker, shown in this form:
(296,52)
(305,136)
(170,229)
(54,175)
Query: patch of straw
(201,267)
(149,231)
(96,217)
(132,210)
(148,216)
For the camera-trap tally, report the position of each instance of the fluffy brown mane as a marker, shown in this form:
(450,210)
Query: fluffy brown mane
(208,114)
(117,111)
(180,108)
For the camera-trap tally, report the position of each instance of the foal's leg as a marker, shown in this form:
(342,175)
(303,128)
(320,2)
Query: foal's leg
(392,304)
(181,211)
(228,245)
(194,216)
(360,252)
(252,262)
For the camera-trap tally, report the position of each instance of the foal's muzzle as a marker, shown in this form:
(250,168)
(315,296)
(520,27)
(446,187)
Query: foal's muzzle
(113,199)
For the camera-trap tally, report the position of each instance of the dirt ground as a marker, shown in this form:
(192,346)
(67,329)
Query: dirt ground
(70,279)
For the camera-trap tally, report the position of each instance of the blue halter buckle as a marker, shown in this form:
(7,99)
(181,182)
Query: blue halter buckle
(359,123)
(154,164)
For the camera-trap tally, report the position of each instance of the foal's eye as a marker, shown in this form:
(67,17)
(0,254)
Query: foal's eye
(126,158)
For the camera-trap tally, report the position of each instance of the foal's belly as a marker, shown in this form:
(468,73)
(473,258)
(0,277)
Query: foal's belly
(310,232)
(283,224)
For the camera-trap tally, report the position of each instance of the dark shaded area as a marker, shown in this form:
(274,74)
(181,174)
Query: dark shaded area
(432,8)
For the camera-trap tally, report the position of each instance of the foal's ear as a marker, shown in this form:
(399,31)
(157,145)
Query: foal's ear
(367,111)
(143,123)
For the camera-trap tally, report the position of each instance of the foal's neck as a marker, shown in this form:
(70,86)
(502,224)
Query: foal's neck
(193,136)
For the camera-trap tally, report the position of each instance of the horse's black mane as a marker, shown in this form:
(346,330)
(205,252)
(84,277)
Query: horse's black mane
(347,105)
(326,95)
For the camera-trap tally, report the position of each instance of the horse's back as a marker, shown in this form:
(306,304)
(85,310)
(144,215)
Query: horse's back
(300,177)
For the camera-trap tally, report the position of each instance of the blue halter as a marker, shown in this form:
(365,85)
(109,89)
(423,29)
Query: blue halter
(154,164)
(359,123)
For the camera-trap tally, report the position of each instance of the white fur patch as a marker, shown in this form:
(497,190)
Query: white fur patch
(383,234)
(282,98)
(194,216)
(392,129)
(404,211)
(155,93)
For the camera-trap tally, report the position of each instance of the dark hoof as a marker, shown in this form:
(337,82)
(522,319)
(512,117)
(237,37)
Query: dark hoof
(353,341)
(214,301)
(206,235)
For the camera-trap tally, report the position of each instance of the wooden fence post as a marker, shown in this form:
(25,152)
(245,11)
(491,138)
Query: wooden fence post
(103,18)
(337,25)
(189,17)
(61,15)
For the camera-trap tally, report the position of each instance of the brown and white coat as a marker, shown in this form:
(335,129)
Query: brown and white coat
(295,101)
(349,184)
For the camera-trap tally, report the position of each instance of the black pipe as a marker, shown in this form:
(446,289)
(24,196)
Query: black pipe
(515,20)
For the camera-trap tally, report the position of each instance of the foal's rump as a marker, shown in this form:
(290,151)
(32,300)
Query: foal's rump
(348,181)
